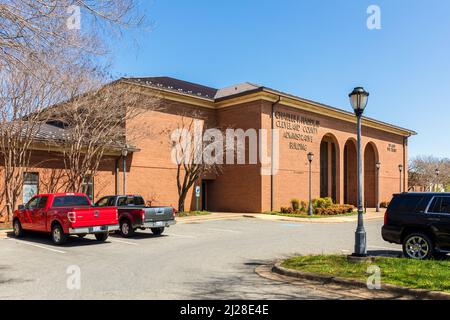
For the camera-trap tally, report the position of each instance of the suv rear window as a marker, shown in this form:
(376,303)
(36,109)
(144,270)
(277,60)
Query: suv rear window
(70,201)
(408,203)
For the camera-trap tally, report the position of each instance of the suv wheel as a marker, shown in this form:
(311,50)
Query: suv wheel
(18,231)
(101,236)
(126,229)
(418,246)
(58,235)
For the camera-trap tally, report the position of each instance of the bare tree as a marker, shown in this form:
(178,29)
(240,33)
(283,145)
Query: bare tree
(195,153)
(422,172)
(28,27)
(97,125)
(47,57)
(21,100)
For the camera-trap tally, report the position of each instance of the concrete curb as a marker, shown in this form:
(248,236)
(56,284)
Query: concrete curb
(418,293)
(327,220)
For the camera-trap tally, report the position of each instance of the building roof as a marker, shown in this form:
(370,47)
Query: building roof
(243,89)
(177,86)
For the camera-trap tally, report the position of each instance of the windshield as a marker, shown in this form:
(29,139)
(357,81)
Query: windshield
(70,201)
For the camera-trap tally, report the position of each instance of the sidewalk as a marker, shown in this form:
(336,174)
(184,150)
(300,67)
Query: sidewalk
(370,215)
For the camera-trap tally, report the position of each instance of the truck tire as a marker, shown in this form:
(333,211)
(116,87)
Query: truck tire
(126,228)
(418,246)
(58,235)
(17,227)
(101,236)
(157,231)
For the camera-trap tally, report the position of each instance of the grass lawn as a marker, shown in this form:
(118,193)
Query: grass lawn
(193,213)
(429,274)
(314,216)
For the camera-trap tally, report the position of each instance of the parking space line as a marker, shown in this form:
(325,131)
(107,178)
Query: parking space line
(223,230)
(125,242)
(36,245)
(181,236)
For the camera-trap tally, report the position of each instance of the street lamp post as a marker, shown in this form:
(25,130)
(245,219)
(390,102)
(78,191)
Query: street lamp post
(378,166)
(437,179)
(358,99)
(310,159)
(124,166)
(400,169)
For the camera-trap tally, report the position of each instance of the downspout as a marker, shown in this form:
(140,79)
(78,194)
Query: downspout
(116,176)
(272,168)
(405,142)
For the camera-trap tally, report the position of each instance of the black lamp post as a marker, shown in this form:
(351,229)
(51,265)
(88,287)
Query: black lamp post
(400,169)
(437,179)
(378,166)
(358,99)
(310,208)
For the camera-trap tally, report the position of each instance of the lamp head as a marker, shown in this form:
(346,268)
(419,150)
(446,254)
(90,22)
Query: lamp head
(358,100)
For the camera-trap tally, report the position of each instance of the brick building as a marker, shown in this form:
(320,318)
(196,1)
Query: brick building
(303,126)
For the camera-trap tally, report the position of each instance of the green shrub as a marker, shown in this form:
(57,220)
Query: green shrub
(295,203)
(286,210)
(384,204)
(303,206)
(322,203)
(334,210)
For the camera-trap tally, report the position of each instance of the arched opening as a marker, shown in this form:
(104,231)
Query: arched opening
(370,181)
(350,173)
(329,157)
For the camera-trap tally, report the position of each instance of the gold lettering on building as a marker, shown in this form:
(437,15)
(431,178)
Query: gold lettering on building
(298,128)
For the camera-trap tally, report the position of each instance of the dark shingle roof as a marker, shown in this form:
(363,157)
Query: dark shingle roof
(177,86)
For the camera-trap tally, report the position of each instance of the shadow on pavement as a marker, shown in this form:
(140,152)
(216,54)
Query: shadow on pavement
(385,253)
(43,238)
(244,283)
(138,236)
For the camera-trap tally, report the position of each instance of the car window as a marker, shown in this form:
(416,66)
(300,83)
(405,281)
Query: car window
(112,202)
(103,202)
(70,201)
(441,205)
(122,201)
(407,204)
(43,202)
(139,201)
(33,203)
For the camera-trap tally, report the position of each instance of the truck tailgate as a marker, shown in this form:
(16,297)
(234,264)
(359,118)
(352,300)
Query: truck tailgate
(158,214)
(88,217)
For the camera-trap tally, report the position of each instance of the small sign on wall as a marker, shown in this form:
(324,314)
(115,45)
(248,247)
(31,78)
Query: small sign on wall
(392,148)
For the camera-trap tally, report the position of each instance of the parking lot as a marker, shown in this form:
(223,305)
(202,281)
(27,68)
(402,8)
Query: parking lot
(202,260)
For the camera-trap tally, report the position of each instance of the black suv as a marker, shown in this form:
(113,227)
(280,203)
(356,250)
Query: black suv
(420,222)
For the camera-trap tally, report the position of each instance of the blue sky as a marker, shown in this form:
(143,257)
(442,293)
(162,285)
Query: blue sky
(317,49)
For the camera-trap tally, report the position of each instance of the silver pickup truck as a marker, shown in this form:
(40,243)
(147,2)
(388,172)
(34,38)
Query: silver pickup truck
(134,214)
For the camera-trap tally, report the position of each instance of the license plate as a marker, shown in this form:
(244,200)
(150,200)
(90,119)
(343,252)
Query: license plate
(159,223)
(96,229)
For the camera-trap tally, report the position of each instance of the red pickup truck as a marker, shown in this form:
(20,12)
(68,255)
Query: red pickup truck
(65,214)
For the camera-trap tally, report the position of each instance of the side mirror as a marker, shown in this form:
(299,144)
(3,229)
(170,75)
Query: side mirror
(21,207)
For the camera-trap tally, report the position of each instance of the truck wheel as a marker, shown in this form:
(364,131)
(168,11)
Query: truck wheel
(58,235)
(418,246)
(101,236)
(157,231)
(18,231)
(126,229)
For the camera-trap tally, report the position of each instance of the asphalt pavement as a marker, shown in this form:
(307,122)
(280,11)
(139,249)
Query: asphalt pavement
(199,260)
